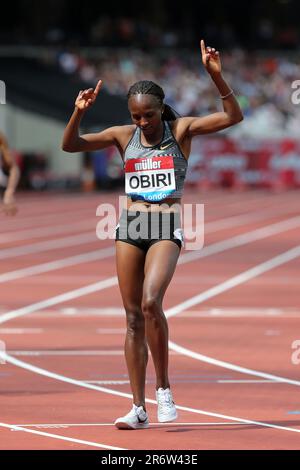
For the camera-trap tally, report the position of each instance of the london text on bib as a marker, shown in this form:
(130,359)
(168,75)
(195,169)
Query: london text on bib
(151,179)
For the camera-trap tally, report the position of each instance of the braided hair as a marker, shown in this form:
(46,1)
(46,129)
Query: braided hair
(147,87)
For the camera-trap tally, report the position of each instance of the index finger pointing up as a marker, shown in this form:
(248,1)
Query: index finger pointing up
(98,86)
(203,49)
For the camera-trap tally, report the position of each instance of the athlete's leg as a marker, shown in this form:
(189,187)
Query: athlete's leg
(130,269)
(160,264)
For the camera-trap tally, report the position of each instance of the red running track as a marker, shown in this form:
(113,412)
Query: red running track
(233,312)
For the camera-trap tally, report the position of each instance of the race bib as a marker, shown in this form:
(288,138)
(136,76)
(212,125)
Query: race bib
(151,179)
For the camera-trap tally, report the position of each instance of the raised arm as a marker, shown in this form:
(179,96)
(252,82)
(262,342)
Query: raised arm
(231,113)
(9,203)
(72,141)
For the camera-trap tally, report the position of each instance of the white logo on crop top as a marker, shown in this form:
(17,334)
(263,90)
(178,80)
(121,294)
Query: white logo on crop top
(151,179)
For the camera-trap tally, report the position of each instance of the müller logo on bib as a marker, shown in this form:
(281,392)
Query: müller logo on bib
(151,179)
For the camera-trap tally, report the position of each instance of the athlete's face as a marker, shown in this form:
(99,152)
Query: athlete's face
(146,112)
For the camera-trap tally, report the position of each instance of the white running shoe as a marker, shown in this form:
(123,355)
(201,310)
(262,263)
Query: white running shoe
(166,410)
(137,418)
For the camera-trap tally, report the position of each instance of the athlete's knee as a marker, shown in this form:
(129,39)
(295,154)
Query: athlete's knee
(151,307)
(135,320)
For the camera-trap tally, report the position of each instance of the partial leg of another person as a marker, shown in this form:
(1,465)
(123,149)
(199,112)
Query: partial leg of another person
(130,269)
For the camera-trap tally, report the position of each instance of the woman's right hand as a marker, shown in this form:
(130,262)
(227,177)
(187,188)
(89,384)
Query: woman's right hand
(86,98)
(9,203)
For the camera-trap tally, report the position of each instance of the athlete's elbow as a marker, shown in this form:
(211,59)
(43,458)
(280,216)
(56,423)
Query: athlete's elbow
(66,147)
(240,118)
(236,119)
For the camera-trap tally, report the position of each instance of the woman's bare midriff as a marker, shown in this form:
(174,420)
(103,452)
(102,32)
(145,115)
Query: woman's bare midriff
(167,205)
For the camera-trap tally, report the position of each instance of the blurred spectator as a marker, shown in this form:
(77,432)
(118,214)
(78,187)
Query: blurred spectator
(262,84)
(68,62)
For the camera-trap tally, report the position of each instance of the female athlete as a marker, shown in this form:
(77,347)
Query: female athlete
(155,150)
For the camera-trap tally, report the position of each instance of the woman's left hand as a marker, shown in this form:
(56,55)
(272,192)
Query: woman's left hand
(9,204)
(211,59)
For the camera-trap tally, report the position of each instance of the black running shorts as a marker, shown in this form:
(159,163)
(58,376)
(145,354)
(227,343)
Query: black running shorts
(143,229)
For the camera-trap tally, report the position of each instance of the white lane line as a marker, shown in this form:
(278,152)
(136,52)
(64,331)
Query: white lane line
(69,352)
(40,217)
(78,259)
(223,381)
(74,294)
(20,331)
(250,381)
(214,226)
(213,201)
(75,425)
(228,365)
(107,382)
(223,287)
(229,284)
(75,240)
(62,438)
(246,218)
(69,380)
(236,312)
(56,352)
(240,240)
(110,331)
(39,232)
(59,264)
(236,280)
(245,276)
(88,311)
(185,258)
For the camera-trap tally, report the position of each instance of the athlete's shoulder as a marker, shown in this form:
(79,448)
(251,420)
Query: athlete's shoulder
(179,127)
(121,132)
(125,129)
(123,135)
